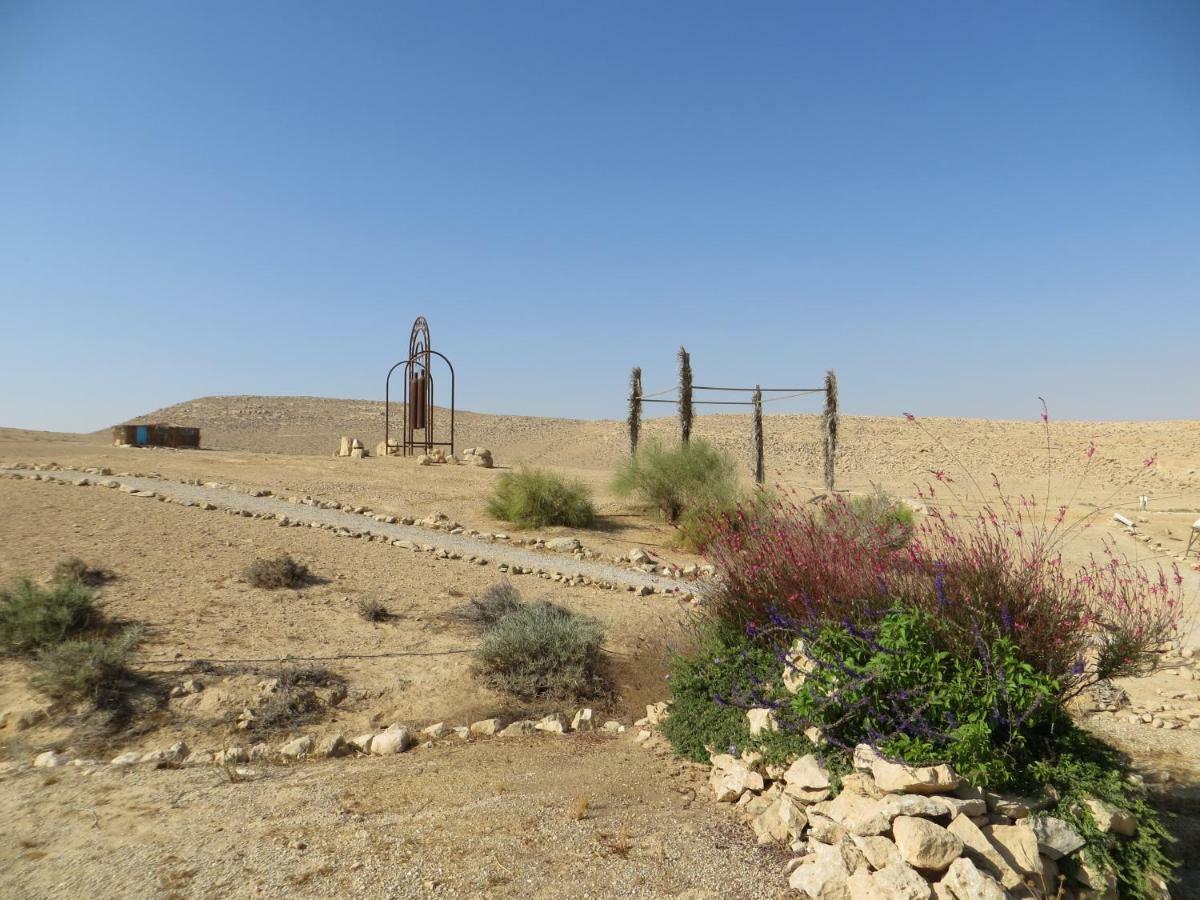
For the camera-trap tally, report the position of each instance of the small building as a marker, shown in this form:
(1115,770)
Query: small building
(177,436)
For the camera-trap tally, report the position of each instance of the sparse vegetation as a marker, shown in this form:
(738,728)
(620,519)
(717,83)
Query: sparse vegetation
(535,498)
(96,669)
(75,569)
(540,651)
(579,808)
(33,617)
(883,518)
(292,698)
(491,606)
(373,610)
(691,486)
(280,572)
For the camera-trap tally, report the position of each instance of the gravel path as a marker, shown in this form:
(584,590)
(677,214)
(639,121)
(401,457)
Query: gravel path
(493,551)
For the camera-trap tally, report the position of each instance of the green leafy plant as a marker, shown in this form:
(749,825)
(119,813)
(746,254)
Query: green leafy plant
(690,485)
(96,669)
(535,498)
(542,651)
(33,617)
(280,572)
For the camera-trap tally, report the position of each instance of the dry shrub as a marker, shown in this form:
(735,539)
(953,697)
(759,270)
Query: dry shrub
(75,569)
(280,572)
(294,699)
(96,670)
(491,606)
(373,610)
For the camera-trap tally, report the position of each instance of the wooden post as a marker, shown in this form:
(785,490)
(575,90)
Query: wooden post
(759,471)
(685,395)
(830,424)
(635,408)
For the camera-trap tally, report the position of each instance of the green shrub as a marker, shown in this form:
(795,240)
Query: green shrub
(75,569)
(282,571)
(96,670)
(692,486)
(883,518)
(543,652)
(535,498)
(32,617)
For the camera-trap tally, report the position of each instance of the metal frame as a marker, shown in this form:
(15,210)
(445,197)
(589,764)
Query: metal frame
(418,409)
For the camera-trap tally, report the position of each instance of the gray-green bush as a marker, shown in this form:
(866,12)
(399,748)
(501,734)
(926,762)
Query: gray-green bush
(96,669)
(33,617)
(541,651)
(535,498)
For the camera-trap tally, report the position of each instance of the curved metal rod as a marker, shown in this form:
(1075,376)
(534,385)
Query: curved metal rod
(387,387)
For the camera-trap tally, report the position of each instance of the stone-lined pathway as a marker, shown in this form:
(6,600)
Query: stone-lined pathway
(363,524)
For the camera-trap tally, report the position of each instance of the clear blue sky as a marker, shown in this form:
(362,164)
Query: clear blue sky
(958,206)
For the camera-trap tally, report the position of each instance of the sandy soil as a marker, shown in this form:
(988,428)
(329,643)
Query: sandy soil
(175,833)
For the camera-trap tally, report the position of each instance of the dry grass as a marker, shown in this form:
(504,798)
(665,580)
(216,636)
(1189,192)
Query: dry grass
(579,808)
(280,572)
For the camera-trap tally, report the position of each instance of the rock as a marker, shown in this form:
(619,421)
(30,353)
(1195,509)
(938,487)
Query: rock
(486,727)
(301,746)
(637,556)
(894,805)
(171,756)
(657,713)
(960,806)
(1102,881)
(612,726)
(333,745)
(761,720)
(358,453)
(1055,837)
(880,852)
(583,721)
(563,544)
(857,814)
(344,447)
(50,760)
(967,883)
(823,829)
(1017,846)
(864,758)
(897,881)
(822,875)
(980,849)
(231,755)
(780,822)
(796,666)
(437,730)
(396,739)
(861,783)
(896,778)
(519,728)
(362,743)
(132,758)
(1112,819)
(730,783)
(356,444)
(553,724)
(925,844)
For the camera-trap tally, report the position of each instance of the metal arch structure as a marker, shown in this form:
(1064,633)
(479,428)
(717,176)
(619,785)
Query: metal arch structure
(418,394)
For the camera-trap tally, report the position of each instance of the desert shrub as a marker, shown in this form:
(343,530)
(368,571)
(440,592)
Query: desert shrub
(543,652)
(491,606)
(689,480)
(373,610)
(280,572)
(535,498)
(293,698)
(32,617)
(75,569)
(96,669)
(881,518)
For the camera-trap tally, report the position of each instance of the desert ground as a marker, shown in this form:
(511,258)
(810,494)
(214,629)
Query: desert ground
(584,815)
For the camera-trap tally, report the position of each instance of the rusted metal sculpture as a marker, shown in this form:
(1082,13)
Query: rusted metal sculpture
(418,395)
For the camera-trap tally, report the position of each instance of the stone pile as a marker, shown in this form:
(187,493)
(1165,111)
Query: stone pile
(352,448)
(436,456)
(390,447)
(478,456)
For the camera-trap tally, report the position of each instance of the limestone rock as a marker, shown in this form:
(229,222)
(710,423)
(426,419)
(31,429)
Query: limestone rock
(967,883)
(980,850)
(1055,837)
(301,746)
(552,724)
(879,851)
(897,778)
(925,844)
(50,760)
(808,773)
(898,881)
(332,746)
(344,447)
(761,720)
(730,783)
(823,874)
(780,822)
(362,743)
(584,721)
(563,544)
(1113,819)
(796,666)
(486,727)
(396,739)
(894,805)
(435,731)
(1017,846)
(519,728)
(823,829)
(857,814)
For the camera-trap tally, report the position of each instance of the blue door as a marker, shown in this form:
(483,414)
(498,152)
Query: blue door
(142,437)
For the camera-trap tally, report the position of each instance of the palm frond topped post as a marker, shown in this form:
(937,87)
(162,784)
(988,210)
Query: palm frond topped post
(635,408)
(685,395)
(830,427)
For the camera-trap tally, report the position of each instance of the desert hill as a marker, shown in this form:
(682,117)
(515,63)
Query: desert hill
(873,449)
